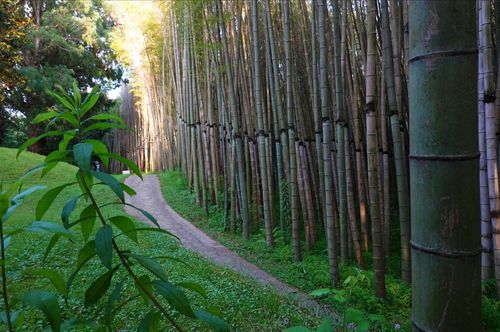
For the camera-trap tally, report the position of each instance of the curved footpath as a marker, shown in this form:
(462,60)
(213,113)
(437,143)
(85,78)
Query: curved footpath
(149,197)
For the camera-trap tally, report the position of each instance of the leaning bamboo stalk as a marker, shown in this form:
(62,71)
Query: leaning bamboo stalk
(491,139)
(486,235)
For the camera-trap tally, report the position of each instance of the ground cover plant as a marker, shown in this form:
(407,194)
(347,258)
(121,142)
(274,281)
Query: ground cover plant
(311,275)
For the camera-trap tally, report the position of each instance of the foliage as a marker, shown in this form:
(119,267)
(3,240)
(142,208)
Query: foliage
(64,41)
(311,274)
(13,25)
(75,112)
(245,304)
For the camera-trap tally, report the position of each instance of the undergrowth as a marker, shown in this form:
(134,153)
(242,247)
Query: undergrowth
(311,275)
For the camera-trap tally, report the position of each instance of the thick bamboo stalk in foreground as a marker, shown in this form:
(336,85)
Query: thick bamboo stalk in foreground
(444,170)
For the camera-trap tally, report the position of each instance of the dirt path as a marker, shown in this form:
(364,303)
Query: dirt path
(150,198)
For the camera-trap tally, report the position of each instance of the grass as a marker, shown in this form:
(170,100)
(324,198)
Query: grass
(244,304)
(311,275)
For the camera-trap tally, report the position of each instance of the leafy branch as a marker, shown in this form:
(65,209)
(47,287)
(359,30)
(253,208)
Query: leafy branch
(76,148)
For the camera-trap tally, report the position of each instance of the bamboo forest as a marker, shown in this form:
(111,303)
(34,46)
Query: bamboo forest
(250,165)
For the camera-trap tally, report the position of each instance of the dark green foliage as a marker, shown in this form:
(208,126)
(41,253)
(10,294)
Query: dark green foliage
(56,43)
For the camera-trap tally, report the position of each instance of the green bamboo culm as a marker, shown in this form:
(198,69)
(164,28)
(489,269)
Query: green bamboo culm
(444,182)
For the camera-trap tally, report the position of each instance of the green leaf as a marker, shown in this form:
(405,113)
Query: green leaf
(150,264)
(130,164)
(41,117)
(47,303)
(31,171)
(84,255)
(86,252)
(100,150)
(107,116)
(16,317)
(102,126)
(70,118)
(146,214)
(194,287)
(150,322)
(49,227)
(68,208)
(4,205)
(84,181)
(53,241)
(55,278)
(175,296)
(83,153)
(10,211)
(48,167)
(321,292)
(115,295)
(6,242)
(17,199)
(56,155)
(104,245)
(127,189)
(148,229)
(145,281)
(63,100)
(33,140)
(126,225)
(87,221)
(47,199)
(215,322)
(90,101)
(98,288)
(347,281)
(112,183)
(67,137)
(76,93)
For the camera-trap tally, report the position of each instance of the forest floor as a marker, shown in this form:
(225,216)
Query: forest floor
(150,198)
(354,297)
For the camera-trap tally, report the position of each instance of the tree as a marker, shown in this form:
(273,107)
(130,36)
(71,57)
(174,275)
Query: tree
(444,167)
(13,27)
(67,40)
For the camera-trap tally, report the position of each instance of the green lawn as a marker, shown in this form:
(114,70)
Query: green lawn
(312,273)
(245,305)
